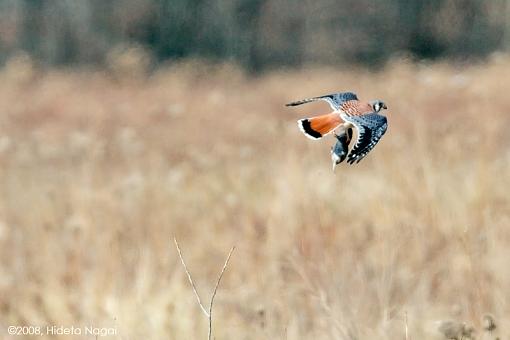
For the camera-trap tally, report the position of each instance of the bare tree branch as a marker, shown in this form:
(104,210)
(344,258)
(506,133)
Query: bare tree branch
(208,314)
(406,326)
(216,288)
(190,279)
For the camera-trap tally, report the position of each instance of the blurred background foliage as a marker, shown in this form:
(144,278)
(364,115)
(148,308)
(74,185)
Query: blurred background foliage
(258,34)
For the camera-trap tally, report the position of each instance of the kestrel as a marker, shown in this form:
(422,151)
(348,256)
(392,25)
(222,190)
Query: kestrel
(348,112)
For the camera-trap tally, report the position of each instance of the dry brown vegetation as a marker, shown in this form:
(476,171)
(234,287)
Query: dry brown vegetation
(99,172)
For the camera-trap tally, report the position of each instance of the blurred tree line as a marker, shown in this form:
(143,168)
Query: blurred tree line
(255,33)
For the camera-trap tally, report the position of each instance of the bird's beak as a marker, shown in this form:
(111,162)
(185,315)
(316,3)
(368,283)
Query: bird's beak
(385,107)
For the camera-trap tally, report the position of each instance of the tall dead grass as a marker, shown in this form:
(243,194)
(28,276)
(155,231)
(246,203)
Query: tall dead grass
(97,173)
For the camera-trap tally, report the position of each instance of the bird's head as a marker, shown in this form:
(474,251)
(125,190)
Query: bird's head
(378,105)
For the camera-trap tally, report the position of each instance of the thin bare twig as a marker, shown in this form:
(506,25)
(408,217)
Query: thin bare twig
(216,289)
(208,314)
(190,279)
(407,328)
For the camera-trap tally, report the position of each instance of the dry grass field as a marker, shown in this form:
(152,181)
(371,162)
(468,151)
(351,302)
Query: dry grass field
(100,170)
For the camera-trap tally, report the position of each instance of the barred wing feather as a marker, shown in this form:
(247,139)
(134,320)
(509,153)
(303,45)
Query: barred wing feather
(371,127)
(334,100)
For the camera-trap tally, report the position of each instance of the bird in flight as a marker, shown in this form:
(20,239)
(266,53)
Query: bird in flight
(348,112)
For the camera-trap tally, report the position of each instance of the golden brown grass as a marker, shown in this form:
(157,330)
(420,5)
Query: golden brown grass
(98,173)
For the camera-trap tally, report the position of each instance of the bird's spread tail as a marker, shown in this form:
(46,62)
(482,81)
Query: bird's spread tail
(317,127)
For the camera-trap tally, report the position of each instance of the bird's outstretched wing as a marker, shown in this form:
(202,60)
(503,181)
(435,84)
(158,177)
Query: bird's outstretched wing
(335,100)
(371,127)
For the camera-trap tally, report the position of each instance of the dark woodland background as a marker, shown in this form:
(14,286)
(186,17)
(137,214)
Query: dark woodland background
(258,34)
